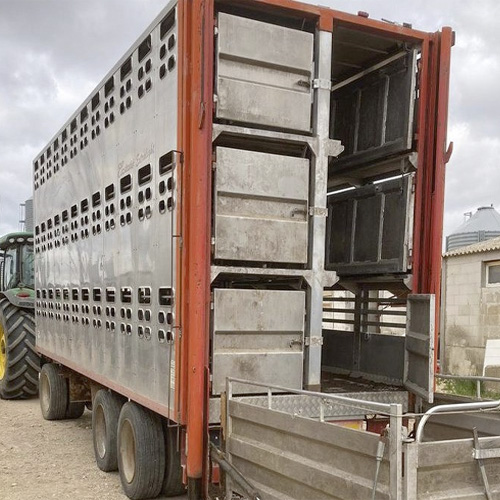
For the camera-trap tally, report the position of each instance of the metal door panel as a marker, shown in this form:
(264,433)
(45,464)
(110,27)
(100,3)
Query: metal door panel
(259,79)
(369,228)
(419,346)
(258,336)
(373,116)
(261,207)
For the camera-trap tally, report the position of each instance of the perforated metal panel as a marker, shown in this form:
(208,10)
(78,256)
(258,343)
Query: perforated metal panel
(105,205)
(263,73)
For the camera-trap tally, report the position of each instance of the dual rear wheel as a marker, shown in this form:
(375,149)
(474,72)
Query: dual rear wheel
(54,395)
(138,443)
(126,436)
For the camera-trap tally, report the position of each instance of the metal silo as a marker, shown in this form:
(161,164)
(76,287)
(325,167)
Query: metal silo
(481,226)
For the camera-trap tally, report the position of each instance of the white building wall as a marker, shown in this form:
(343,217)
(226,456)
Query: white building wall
(471,313)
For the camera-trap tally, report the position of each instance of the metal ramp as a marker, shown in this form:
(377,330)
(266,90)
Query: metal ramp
(288,446)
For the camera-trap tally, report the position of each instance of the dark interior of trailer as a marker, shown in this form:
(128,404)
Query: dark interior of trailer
(370,205)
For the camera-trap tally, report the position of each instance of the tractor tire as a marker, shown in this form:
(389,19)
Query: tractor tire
(141,452)
(53,393)
(19,361)
(105,414)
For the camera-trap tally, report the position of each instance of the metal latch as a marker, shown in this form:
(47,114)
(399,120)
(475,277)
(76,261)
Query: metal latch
(322,84)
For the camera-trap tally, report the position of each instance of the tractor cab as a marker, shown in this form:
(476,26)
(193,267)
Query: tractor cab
(17,270)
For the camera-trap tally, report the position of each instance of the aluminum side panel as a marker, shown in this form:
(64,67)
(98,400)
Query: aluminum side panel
(122,241)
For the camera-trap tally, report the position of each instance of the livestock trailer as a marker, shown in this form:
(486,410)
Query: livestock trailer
(238,244)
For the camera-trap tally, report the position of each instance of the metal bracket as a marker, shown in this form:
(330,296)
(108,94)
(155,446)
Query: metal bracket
(318,211)
(322,84)
(311,341)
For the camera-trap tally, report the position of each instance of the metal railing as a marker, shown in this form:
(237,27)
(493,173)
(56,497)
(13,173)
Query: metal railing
(477,378)
(479,405)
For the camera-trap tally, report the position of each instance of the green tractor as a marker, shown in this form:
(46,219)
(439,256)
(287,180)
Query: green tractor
(19,361)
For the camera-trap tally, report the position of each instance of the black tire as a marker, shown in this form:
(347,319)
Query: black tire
(19,375)
(105,415)
(141,452)
(172,482)
(53,393)
(74,411)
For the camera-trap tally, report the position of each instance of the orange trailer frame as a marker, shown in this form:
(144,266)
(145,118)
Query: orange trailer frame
(196,21)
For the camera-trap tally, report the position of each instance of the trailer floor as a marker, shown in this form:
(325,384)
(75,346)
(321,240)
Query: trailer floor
(334,383)
(41,460)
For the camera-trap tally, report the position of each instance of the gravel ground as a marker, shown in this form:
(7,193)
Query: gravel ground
(41,460)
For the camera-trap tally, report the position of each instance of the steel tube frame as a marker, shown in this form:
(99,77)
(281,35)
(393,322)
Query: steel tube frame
(482,405)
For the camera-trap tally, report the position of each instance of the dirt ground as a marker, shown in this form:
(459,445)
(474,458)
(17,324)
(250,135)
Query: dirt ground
(41,460)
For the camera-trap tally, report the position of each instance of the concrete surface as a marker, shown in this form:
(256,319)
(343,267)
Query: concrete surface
(42,460)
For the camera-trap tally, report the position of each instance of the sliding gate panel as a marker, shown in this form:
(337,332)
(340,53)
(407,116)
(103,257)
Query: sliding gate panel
(263,74)
(258,336)
(261,204)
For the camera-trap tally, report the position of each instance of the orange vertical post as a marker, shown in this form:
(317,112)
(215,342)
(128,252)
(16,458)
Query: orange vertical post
(197,120)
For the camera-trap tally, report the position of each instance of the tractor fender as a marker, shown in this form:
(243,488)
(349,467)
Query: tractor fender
(22,302)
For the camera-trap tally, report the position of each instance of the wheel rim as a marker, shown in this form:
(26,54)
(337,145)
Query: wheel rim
(100,431)
(3,353)
(127,451)
(44,393)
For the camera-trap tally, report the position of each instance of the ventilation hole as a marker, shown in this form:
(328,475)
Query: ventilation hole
(126,68)
(144,295)
(125,184)
(144,175)
(126,295)
(171,63)
(144,48)
(165,296)
(167,24)
(163,51)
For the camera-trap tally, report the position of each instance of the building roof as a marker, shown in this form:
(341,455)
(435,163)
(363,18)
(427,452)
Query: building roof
(485,219)
(483,246)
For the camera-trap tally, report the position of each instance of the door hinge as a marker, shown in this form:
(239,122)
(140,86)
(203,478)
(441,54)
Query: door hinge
(318,211)
(322,84)
(310,341)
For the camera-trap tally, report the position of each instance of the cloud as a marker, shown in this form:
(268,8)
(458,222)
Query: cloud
(54,52)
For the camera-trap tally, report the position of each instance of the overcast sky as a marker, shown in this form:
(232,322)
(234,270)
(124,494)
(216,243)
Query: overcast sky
(54,52)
